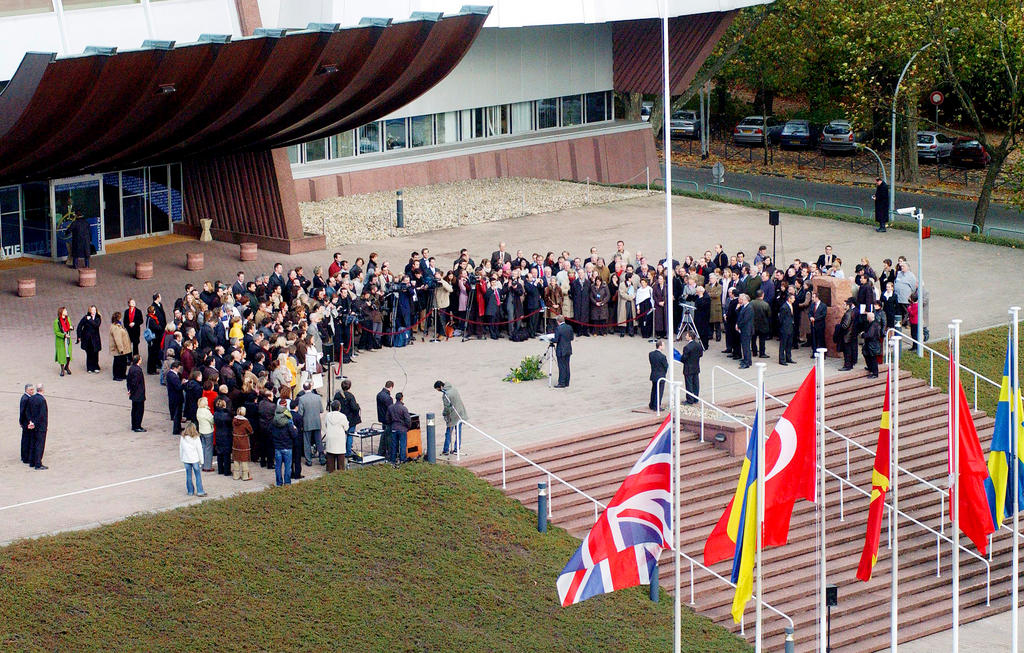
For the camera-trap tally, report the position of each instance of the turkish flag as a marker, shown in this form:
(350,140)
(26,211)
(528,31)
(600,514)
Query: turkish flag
(790,454)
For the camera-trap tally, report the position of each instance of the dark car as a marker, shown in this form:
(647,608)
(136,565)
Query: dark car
(799,134)
(969,153)
(750,130)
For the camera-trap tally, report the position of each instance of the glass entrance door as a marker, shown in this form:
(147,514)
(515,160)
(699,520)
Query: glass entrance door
(77,197)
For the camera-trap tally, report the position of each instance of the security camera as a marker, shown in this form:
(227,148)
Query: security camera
(910,210)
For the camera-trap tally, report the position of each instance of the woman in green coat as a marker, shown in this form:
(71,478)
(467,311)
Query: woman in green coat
(62,340)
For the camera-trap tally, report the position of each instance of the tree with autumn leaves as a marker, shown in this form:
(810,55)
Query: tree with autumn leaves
(845,56)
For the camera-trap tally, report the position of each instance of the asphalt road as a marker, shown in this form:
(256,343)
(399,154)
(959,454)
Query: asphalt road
(943,208)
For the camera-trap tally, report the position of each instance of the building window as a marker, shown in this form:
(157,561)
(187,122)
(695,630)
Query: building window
(547,113)
(316,150)
(522,117)
(343,144)
(421,130)
(394,134)
(22,7)
(177,183)
(597,108)
(37,222)
(497,120)
(369,138)
(159,199)
(111,206)
(447,125)
(91,4)
(10,221)
(133,202)
(293,153)
(572,110)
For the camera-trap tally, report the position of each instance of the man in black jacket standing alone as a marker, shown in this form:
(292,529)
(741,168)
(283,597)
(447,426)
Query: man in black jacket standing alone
(659,368)
(137,393)
(881,198)
(400,421)
(563,350)
(384,401)
(37,413)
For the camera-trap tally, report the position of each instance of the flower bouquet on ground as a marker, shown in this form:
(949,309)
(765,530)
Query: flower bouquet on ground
(529,369)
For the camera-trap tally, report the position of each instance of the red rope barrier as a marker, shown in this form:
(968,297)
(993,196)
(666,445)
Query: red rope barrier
(394,333)
(465,319)
(610,324)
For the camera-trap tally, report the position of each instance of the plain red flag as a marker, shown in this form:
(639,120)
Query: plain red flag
(789,470)
(975,514)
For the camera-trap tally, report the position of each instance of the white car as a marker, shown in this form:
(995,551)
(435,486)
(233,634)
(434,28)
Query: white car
(685,124)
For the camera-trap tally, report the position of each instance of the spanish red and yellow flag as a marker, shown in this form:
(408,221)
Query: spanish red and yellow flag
(879,487)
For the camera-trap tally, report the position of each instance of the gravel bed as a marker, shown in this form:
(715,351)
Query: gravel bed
(359,218)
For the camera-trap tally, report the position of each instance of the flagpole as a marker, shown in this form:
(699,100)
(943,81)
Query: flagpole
(759,412)
(1015,420)
(819,373)
(954,396)
(669,321)
(894,479)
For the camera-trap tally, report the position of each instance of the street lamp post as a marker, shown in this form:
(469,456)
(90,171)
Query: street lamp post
(892,132)
(881,168)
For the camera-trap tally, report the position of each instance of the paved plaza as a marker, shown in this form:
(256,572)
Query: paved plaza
(100,471)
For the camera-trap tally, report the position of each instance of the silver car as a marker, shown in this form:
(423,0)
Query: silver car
(838,136)
(750,130)
(934,146)
(685,124)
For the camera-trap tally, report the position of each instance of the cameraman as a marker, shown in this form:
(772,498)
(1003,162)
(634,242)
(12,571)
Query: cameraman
(454,412)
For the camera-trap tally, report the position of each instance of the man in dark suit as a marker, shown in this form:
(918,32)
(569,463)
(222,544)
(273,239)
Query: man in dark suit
(137,393)
(732,342)
(81,241)
(659,368)
(762,321)
(691,367)
(276,280)
(825,260)
(384,401)
(818,314)
(532,303)
(720,259)
(745,327)
(563,350)
(786,324)
(499,257)
(847,332)
(881,198)
(175,396)
(238,287)
(37,413)
(26,433)
(492,308)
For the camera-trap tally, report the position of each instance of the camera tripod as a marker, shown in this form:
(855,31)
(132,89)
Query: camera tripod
(549,355)
(687,324)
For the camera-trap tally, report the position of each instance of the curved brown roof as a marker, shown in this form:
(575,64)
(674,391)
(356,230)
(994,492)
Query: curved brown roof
(105,111)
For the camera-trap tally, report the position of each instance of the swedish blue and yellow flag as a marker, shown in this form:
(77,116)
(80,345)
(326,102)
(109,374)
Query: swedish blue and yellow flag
(1000,499)
(737,530)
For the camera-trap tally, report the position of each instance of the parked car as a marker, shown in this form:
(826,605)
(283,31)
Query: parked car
(685,124)
(934,146)
(645,110)
(969,153)
(838,136)
(750,130)
(798,134)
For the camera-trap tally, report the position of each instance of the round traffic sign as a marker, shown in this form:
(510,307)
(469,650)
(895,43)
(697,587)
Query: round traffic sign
(936,97)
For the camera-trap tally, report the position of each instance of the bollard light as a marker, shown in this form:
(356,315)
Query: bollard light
(400,210)
(542,507)
(655,585)
(431,439)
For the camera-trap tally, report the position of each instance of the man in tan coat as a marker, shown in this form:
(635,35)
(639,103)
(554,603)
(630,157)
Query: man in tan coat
(120,348)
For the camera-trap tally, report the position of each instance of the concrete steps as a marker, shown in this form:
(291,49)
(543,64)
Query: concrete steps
(597,462)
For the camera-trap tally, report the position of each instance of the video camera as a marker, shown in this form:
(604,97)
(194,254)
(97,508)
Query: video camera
(396,286)
(688,308)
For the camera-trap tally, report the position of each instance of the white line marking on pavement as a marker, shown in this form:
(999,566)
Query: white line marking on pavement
(91,489)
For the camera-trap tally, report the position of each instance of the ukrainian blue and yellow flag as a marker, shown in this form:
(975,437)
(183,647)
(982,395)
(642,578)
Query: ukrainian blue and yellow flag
(1000,499)
(736,531)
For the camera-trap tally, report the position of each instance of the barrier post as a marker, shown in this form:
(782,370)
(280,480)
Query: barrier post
(542,507)
(655,585)
(399,211)
(790,643)
(431,439)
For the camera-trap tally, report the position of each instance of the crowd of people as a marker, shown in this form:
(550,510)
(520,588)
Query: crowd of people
(244,364)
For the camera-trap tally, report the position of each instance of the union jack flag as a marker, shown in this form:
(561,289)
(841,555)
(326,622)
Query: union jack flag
(624,544)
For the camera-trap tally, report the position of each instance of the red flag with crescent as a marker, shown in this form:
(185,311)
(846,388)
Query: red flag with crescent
(789,472)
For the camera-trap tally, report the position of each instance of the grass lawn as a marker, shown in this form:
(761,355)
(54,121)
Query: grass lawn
(426,558)
(982,351)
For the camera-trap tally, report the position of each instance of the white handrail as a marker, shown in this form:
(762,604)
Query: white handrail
(942,496)
(598,504)
(932,353)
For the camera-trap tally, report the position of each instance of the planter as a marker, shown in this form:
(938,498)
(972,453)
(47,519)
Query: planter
(194,261)
(26,287)
(247,251)
(143,269)
(86,277)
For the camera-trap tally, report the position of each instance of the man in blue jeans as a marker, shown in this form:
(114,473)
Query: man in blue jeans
(454,413)
(283,435)
(400,422)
